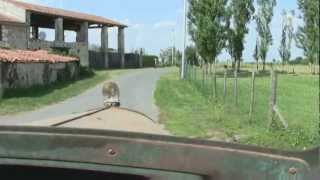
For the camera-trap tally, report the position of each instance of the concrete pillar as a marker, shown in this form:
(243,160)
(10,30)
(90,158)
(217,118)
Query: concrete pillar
(35,32)
(83,33)
(105,45)
(28,24)
(141,58)
(121,46)
(78,36)
(59,32)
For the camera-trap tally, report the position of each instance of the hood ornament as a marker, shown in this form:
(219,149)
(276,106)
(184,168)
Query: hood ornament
(111,94)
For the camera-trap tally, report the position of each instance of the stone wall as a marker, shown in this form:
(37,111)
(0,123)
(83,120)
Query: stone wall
(39,44)
(15,36)
(4,44)
(25,75)
(96,60)
(81,50)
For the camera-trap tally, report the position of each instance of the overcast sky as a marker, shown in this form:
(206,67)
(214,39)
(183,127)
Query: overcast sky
(153,24)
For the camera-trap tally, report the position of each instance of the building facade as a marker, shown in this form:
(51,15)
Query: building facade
(20,23)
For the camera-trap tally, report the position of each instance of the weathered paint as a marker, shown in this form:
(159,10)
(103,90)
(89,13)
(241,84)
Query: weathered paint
(14,36)
(12,10)
(24,75)
(121,46)
(210,160)
(105,45)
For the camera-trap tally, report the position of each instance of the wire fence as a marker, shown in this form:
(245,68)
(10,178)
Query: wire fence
(258,98)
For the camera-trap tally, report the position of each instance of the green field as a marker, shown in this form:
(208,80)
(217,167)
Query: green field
(190,111)
(20,100)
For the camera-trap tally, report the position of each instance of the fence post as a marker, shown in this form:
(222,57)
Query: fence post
(252,95)
(236,86)
(195,72)
(189,70)
(225,84)
(273,98)
(215,81)
(192,72)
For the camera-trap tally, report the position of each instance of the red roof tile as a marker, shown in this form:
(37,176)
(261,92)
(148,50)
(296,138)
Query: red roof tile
(66,13)
(40,56)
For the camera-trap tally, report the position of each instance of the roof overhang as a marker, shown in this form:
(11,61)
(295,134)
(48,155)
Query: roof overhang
(69,15)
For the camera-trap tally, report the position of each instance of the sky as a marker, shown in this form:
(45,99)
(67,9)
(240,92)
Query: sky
(158,24)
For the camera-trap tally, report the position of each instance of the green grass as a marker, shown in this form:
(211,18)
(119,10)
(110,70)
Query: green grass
(188,110)
(21,100)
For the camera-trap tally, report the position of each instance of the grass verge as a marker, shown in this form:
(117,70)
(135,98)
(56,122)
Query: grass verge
(189,112)
(21,100)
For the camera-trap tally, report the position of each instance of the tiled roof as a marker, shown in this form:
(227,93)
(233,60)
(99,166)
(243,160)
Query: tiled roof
(7,19)
(66,13)
(40,56)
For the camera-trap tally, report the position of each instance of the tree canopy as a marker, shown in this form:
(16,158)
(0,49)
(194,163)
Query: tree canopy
(263,20)
(208,27)
(286,37)
(308,34)
(240,14)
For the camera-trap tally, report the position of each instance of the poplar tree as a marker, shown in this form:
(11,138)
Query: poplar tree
(208,27)
(286,37)
(241,12)
(308,35)
(263,20)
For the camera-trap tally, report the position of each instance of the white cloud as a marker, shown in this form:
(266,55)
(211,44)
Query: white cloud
(164,24)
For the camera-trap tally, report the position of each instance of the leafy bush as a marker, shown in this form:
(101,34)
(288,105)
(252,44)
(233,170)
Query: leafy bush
(149,61)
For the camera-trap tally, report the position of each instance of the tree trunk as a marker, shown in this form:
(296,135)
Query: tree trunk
(215,81)
(311,68)
(264,65)
(233,64)
(203,76)
(252,97)
(257,66)
(238,65)
(236,87)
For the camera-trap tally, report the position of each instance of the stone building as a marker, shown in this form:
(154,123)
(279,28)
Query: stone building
(24,68)
(20,23)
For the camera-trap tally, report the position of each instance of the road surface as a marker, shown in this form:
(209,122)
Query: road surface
(136,89)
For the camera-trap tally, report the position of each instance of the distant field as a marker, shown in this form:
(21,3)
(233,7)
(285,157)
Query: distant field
(187,110)
(299,69)
(20,100)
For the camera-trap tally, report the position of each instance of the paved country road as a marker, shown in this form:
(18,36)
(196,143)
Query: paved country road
(136,93)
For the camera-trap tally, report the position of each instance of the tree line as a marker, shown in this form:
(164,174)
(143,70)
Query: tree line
(217,25)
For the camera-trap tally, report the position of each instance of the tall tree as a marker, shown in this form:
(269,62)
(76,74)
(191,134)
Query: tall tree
(263,20)
(308,34)
(240,14)
(191,55)
(287,36)
(167,54)
(208,27)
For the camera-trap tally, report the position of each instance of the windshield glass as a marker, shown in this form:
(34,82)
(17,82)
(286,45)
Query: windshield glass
(244,72)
